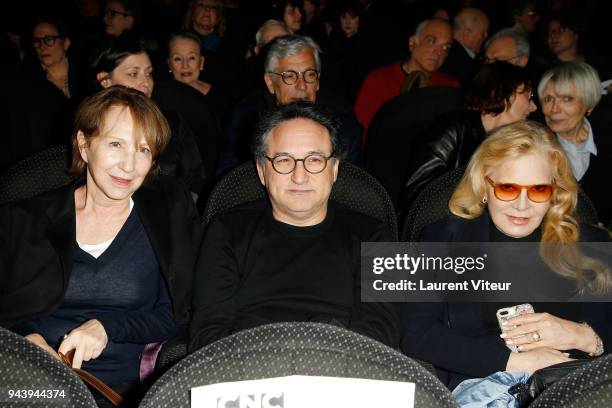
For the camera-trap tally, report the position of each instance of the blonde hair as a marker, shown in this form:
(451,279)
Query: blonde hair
(559,225)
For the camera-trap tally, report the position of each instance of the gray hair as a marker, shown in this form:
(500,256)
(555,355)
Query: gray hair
(522,44)
(467,17)
(268,23)
(421,26)
(579,75)
(288,46)
(184,35)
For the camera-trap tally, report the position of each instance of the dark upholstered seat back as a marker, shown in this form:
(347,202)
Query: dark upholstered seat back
(284,349)
(354,188)
(589,386)
(24,366)
(43,171)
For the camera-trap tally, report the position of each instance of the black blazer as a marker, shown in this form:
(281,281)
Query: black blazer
(459,64)
(453,337)
(37,236)
(596,180)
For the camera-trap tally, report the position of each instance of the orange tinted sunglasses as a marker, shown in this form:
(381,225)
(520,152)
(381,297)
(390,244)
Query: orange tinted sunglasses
(538,193)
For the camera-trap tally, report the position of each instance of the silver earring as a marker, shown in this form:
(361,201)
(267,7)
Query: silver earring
(484,201)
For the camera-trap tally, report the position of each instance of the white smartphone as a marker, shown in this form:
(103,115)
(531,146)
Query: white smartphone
(506,313)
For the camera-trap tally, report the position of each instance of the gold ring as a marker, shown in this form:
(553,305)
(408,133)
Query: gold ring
(535,336)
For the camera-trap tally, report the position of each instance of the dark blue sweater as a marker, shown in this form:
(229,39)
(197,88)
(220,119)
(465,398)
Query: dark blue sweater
(125,291)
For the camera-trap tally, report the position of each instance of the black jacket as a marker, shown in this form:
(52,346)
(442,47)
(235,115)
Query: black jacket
(37,237)
(597,177)
(453,337)
(447,145)
(459,64)
(181,157)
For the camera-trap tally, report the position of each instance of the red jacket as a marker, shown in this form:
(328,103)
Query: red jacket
(384,83)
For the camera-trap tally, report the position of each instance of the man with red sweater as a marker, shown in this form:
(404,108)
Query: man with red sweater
(428,48)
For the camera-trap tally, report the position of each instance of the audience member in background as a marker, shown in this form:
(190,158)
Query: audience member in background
(292,71)
(120,16)
(313,24)
(103,266)
(206,19)
(195,100)
(254,65)
(294,256)
(507,45)
(348,45)
(124,61)
(13,47)
(526,17)
(568,93)
(51,43)
(186,61)
(470,30)
(44,97)
(567,42)
(498,95)
(310,9)
(428,49)
(290,12)
(518,187)
(223,55)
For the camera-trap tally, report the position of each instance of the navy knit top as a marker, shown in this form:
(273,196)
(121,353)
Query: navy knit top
(124,289)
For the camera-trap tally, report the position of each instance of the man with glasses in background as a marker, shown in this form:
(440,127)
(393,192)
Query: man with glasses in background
(507,45)
(296,255)
(292,70)
(119,16)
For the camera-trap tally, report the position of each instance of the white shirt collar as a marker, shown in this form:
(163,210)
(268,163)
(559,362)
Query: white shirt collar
(471,53)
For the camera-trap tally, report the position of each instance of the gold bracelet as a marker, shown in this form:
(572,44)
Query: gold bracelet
(599,347)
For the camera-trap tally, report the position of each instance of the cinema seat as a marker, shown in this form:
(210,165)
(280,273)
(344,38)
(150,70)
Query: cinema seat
(283,349)
(354,188)
(43,171)
(589,386)
(24,366)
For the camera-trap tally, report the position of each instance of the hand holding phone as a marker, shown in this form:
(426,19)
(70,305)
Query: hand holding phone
(507,313)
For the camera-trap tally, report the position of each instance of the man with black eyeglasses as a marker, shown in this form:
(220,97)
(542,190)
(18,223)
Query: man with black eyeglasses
(292,72)
(507,45)
(296,255)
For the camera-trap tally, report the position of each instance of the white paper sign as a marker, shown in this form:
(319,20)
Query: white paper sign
(305,392)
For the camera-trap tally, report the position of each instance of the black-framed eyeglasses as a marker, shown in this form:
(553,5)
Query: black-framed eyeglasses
(48,40)
(291,77)
(113,13)
(488,60)
(313,163)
